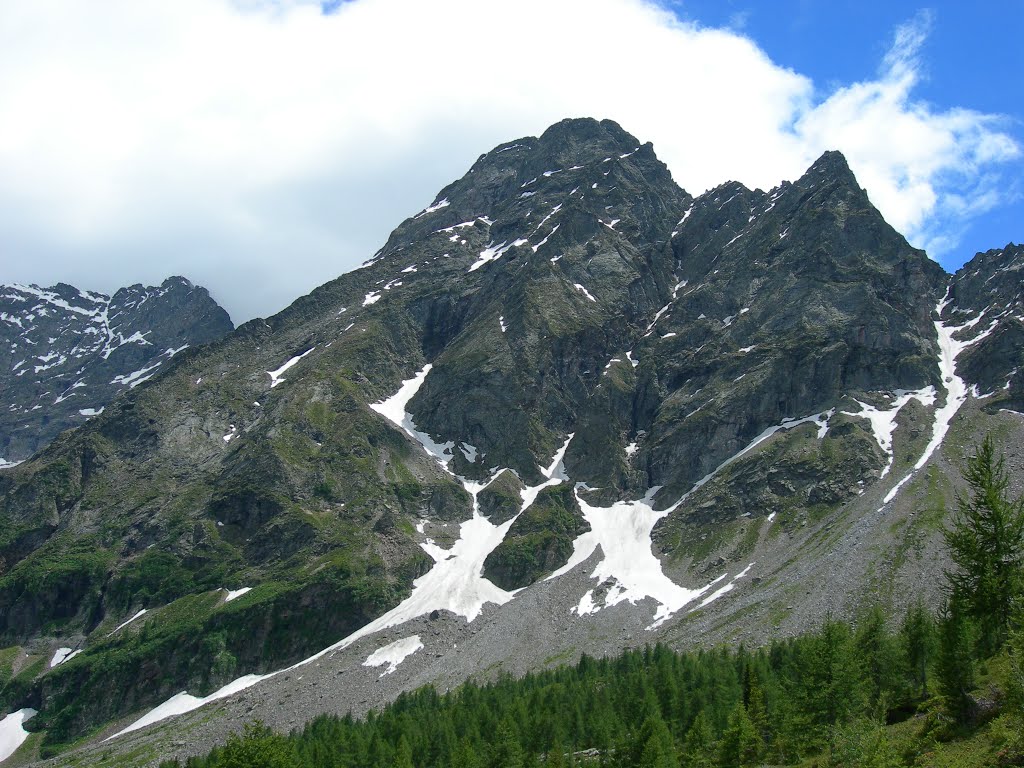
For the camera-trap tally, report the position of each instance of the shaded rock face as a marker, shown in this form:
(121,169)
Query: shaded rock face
(719,352)
(66,353)
(989,292)
(539,541)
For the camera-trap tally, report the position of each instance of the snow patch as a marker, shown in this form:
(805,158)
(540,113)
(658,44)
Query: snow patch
(184,702)
(137,377)
(63,654)
(549,234)
(956,388)
(727,588)
(493,252)
(629,567)
(277,375)
(394,410)
(393,654)
(584,291)
(657,317)
(13,733)
(435,207)
(234,594)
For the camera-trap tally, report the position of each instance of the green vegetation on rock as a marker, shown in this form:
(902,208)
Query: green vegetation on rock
(539,541)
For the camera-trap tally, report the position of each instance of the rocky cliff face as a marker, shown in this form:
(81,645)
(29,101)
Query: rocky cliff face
(988,292)
(66,353)
(658,416)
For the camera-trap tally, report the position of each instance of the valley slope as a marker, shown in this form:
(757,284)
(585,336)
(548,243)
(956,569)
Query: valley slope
(659,416)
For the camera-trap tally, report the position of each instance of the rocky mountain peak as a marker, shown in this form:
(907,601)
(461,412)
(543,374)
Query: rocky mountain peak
(67,352)
(832,164)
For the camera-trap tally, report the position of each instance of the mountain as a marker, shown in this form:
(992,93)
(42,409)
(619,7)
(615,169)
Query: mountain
(66,353)
(568,407)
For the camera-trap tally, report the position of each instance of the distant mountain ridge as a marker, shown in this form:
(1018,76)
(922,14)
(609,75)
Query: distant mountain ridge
(65,353)
(568,407)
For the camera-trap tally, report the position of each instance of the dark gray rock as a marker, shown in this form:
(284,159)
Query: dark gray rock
(66,353)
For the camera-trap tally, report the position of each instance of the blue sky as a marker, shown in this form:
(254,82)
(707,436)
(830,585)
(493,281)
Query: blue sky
(263,147)
(972,58)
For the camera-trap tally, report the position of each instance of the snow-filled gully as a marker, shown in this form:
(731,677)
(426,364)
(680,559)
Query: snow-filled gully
(956,388)
(455,583)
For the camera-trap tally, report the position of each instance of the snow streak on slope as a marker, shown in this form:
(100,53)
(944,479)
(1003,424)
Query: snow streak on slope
(184,702)
(956,388)
(394,410)
(883,422)
(124,624)
(819,419)
(277,375)
(63,654)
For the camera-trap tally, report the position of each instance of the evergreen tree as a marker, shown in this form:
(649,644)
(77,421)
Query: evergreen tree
(986,543)
(877,657)
(659,750)
(700,744)
(955,665)
(918,641)
(862,744)
(556,756)
(741,744)
(757,705)
(258,747)
(1012,752)
(465,755)
(506,752)
(403,753)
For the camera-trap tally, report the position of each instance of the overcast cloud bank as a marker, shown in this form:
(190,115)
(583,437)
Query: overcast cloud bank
(263,148)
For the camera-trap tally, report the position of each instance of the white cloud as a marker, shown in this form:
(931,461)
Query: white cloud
(262,148)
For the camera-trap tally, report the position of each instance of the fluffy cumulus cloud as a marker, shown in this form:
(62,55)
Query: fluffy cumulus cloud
(262,147)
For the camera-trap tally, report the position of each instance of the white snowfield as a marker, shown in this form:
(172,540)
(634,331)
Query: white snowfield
(393,654)
(13,733)
(234,594)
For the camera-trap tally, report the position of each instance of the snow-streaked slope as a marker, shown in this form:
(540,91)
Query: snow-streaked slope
(956,388)
(883,421)
(455,583)
(623,532)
